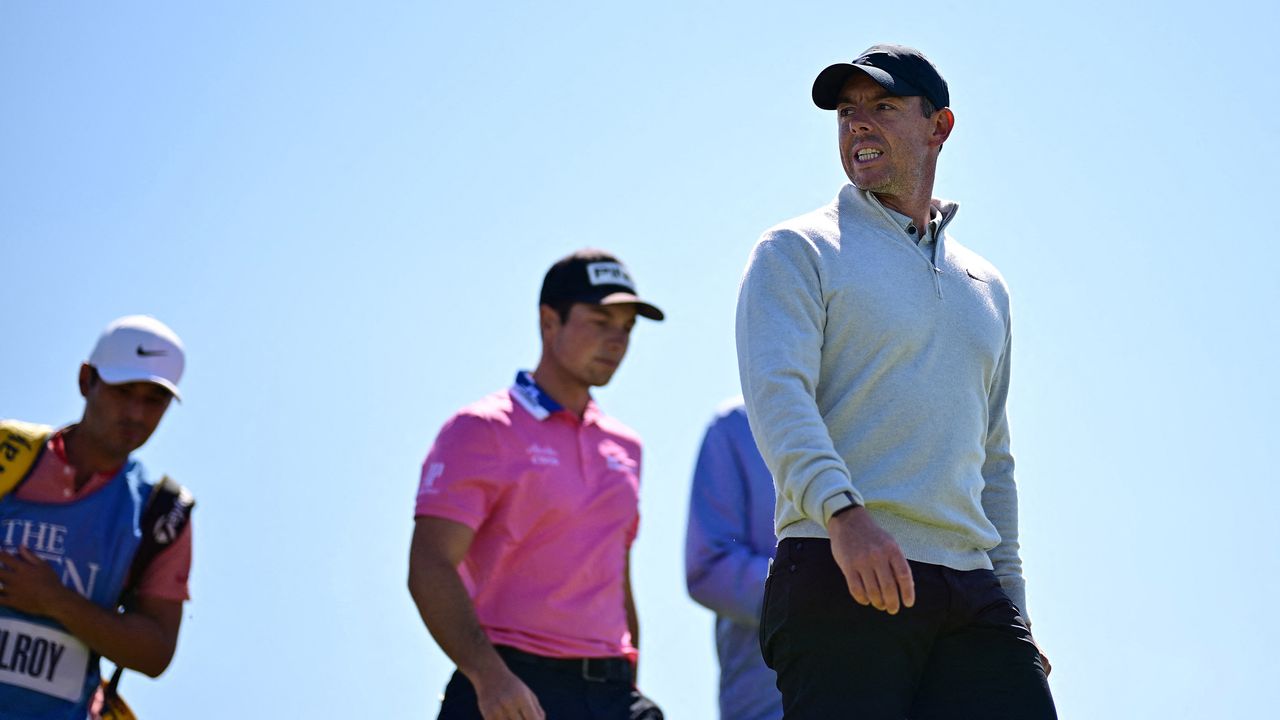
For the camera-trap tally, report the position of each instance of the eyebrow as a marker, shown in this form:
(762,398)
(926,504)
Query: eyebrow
(882,95)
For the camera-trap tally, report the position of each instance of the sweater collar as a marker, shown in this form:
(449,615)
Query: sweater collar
(871,205)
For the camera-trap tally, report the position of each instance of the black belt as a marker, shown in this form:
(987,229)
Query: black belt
(602,669)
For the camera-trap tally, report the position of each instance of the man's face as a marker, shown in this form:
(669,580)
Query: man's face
(590,344)
(887,145)
(120,418)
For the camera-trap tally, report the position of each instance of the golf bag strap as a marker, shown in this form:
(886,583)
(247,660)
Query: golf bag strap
(20,446)
(166,515)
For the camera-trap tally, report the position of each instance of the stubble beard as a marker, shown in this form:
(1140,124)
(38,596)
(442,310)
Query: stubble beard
(887,183)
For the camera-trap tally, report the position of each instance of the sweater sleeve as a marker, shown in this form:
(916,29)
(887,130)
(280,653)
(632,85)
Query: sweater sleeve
(781,320)
(1000,495)
(722,569)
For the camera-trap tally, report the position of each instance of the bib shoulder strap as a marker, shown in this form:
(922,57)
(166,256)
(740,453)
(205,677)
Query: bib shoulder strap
(166,514)
(20,444)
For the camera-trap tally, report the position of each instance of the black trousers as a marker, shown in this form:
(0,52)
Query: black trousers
(563,692)
(962,651)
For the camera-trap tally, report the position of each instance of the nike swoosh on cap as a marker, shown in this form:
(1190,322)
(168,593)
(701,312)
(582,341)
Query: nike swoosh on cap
(150,353)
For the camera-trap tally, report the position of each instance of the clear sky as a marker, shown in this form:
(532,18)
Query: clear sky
(345,210)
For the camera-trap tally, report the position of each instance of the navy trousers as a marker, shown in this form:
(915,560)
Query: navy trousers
(963,651)
(563,695)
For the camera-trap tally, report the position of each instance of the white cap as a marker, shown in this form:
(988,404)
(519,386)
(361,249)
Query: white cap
(139,348)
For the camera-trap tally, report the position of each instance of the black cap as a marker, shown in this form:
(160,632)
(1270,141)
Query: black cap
(899,69)
(594,277)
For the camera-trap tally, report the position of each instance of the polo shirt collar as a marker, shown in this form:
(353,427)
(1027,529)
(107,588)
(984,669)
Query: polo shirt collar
(591,413)
(542,406)
(533,398)
(908,225)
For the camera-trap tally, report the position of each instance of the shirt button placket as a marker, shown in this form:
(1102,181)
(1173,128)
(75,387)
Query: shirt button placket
(584,453)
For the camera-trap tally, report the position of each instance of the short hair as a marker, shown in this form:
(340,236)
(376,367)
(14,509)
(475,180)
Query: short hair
(562,306)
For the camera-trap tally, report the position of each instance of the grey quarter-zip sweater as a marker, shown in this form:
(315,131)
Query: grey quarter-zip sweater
(876,373)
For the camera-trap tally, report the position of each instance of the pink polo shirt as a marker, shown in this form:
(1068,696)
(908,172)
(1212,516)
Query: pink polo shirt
(554,505)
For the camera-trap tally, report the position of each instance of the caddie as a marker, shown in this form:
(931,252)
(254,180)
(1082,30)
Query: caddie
(96,553)
(527,508)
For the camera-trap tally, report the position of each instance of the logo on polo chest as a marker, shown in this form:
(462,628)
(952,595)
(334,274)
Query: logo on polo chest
(542,455)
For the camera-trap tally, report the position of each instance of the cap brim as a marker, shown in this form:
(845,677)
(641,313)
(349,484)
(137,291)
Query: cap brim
(643,308)
(116,376)
(829,83)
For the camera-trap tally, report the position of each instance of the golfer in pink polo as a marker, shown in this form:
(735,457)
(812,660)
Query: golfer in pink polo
(526,511)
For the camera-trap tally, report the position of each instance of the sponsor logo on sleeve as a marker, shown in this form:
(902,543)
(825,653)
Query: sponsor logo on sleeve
(429,478)
(165,529)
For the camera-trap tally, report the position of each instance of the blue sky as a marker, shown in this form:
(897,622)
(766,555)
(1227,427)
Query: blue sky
(345,209)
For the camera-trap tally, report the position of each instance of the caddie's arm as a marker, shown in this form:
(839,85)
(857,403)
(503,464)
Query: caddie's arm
(142,639)
(438,547)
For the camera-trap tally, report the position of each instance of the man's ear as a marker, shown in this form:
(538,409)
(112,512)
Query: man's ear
(88,376)
(548,320)
(943,122)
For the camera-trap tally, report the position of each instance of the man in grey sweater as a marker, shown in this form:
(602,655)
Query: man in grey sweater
(874,355)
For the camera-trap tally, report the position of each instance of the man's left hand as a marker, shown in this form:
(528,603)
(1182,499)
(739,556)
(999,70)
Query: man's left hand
(1044,660)
(29,584)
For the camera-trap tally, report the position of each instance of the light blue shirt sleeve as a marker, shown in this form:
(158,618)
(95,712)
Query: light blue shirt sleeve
(729,543)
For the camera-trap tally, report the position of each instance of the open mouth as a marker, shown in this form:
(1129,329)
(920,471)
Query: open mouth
(867,155)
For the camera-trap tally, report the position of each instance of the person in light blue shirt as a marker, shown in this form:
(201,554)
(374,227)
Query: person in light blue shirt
(729,544)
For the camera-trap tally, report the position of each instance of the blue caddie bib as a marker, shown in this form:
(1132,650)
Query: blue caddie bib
(45,672)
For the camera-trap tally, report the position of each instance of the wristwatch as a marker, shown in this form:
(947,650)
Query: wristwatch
(842,501)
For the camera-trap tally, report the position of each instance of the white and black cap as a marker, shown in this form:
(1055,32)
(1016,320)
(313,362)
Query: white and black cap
(594,277)
(139,348)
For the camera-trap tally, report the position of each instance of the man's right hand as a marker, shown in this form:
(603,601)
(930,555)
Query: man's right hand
(872,562)
(438,547)
(503,696)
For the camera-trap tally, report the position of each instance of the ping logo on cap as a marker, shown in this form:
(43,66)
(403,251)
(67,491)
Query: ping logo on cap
(609,273)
